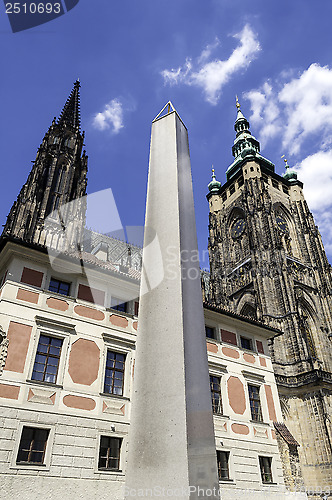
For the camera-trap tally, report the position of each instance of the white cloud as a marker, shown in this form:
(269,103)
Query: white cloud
(110,118)
(175,76)
(211,76)
(315,172)
(296,109)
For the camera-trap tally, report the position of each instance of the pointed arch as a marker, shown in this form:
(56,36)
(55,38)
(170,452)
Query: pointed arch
(288,236)
(247,305)
(308,325)
(235,213)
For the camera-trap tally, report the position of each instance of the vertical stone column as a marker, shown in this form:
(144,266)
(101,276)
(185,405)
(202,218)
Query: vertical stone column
(171,440)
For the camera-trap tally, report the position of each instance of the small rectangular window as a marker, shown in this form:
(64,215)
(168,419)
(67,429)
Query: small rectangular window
(246,343)
(232,190)
(275,184)
(32,446)
(265,178)
(58,286)
(224,197)
(266,470)
(210,332)
(255,403)
(109,453)
(47,359)
(114,373)
(215,384)
(223,464)
(285,189)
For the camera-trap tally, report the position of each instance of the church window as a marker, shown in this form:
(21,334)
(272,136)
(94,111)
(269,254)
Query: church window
(288,243)
(255,403)
(32,446)
(58,286)
(285,189)
(55,199)
(223,465)
(310,343)
(47,359)
(109,453)
(224,196)
(210,332)
(246,343)
(240,181)
(215,384)
(265,178)
(266,469)
(114,373)
(249,311)
(275,184)
(232,190)
(58,180)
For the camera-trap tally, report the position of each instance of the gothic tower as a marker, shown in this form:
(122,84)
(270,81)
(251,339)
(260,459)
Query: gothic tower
(268,261)
(58,177)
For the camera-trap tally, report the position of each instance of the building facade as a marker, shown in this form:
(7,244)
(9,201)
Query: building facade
(68,331)
(268,262)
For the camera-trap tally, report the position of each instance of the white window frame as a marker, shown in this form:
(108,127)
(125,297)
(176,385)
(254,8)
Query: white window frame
(122,346)
(231,479)
(123,451)
(49,446)
(220,370)
(56,329)
(257,380)
(273,469)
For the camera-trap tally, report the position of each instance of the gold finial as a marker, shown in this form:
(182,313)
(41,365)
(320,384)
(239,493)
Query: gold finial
(285,160)
(238,105)
(212,170)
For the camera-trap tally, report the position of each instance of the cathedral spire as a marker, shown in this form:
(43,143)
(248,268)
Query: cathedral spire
(245,147)
(70,115)
(214,185)
(289,175)
(58,177)
(243,140)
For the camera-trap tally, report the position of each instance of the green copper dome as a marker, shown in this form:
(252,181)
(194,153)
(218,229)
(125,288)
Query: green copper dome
(289,175)
(214,185)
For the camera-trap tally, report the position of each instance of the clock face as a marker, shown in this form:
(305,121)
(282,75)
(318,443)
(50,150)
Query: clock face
(238,228)
(282,224)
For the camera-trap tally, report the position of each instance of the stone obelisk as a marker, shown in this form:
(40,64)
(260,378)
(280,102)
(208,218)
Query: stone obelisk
(171,441)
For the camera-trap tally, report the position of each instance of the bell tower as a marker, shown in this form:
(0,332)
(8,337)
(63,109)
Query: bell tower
(58,177)
(268,262)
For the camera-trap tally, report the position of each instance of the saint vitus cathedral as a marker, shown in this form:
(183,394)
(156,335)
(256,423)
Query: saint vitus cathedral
(268,262)
(68,328)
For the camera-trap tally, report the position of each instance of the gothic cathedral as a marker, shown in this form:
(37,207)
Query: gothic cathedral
(57,178)
(268,262)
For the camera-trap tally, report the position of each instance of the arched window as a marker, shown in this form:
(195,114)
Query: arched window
(285,230)
(249,311)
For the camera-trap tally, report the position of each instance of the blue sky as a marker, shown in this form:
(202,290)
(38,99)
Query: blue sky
(132,56)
